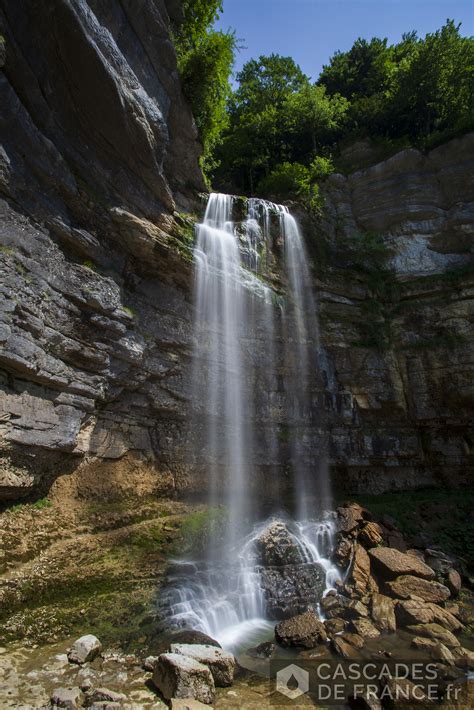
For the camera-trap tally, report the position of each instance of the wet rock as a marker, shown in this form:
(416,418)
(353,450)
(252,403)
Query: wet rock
(221,663)
(360,571)
(390,563)
(305,630)
(454,582)
(343,552)
(178,676)
(276,546)
(263,650)
(344,648)
(84,649)
(435,649)
(69,698)
(354,609)
(291,589)
(383,612)
(436,632)
(366,629)
(371,535)
(349,517)
(405,586)
(416,611)
(355,640)
(334,626)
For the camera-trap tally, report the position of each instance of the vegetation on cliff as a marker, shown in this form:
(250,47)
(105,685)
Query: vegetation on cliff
(278,121)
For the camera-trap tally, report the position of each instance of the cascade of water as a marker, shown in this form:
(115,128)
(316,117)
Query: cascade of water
(302,339)
(238,405)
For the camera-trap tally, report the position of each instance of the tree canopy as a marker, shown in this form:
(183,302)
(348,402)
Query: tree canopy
(417,92)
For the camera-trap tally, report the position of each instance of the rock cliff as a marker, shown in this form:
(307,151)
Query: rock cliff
(99,161)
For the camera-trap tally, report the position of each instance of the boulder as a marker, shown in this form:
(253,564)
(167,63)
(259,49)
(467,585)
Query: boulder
(453,582)
(305,630)
(265,649)
(84,649)
(390,563)
(178,676)
(371,535)
(435,649)
(221,663)
(383,612)
(343,552)
(291,589)
(365,628)
(276,546)
(406,585)
(416,611)
(359,575)
(349,516)
(105,705)
(344,648)
(334,626)
(354,609)
(436,632)
(69,698)
(355,640)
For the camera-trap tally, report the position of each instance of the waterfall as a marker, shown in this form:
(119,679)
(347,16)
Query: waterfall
(253,374)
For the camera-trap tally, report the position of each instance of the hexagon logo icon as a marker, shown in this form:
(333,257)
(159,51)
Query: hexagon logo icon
(292,681)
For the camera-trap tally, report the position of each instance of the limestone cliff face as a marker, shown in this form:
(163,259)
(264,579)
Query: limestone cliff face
(99,155)
(400,339)
(99,151)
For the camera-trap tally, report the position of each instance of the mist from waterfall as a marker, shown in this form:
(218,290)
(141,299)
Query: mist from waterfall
(253,374)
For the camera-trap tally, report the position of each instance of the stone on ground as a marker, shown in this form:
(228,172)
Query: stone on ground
(344,648)
(371,535)
(406,585)
(305,630)
(383,612)
(390,563)
(84,649)
(366,628)
(416,611)
(221,663)
(69,698)
(453,582)
(435,649)
(360,571)
(436,632)
(178,676)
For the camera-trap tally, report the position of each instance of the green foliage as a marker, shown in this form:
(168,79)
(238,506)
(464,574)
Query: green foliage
(197,16)
(39,504)
(205,59)
(197,529)
(416,92)
(204,72)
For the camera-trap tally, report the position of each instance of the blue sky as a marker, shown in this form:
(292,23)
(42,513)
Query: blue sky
(312,30)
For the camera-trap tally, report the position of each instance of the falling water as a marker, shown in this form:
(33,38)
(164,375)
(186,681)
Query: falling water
(246,343)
